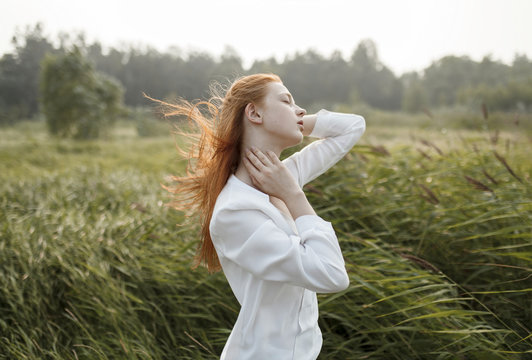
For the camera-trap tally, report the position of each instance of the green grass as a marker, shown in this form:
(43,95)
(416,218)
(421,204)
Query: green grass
(93,264)
(439,209)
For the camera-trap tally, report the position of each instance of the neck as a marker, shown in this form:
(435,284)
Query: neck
(241,172)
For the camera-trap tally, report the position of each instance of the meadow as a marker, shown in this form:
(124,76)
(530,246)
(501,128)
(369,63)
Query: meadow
(435,223)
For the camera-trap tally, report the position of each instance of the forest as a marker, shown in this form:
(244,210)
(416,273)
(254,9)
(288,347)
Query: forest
(314,79)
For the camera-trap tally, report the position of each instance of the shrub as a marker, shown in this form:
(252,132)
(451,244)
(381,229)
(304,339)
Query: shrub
(77,101)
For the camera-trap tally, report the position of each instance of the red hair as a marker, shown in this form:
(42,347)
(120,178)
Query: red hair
(214,154)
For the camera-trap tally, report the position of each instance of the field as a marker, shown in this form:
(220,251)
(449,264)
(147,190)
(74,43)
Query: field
(435,225)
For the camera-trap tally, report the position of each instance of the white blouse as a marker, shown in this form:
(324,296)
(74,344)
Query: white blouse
(275,265)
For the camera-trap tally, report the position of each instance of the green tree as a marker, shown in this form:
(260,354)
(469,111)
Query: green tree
(444,78)
(414,97)
(269,65)
(514,95)
(78,101)
(521,67)
(375,84)
(19,74)
(229,66)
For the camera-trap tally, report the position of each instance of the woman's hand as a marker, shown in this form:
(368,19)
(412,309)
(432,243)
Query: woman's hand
(270,175)
(308,124)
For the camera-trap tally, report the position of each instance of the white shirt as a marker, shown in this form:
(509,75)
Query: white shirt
(275,265)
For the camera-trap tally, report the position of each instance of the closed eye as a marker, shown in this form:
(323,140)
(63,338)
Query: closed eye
(287,99)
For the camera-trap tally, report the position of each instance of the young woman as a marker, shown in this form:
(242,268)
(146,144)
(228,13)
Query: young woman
(257,224)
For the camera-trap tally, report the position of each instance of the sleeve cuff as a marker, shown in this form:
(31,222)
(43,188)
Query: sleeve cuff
(331,124)
(320,124)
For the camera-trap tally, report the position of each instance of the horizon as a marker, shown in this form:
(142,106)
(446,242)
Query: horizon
(409,36)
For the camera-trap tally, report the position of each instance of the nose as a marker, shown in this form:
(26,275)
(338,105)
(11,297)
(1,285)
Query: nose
(300,111)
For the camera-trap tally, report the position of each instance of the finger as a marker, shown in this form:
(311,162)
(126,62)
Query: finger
(260,155)
(273,157)
(252,171)
(250,167)
(254,160)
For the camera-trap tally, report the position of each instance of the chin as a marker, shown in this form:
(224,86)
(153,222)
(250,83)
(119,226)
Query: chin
(297,141)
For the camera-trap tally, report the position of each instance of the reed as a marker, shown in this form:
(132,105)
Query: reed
(94,266)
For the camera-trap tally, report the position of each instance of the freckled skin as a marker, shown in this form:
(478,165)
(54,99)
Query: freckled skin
(281,116)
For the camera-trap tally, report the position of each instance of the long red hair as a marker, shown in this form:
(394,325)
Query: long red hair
(214,152)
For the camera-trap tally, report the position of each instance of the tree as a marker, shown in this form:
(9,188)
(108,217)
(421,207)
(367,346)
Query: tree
(444,77)
(414,97)
(229,65)
(77,100)
(510,96)
(19,74)
(374,83)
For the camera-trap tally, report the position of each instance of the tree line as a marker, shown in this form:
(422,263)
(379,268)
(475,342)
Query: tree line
(314,79)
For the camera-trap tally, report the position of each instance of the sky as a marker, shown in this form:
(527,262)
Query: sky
(409,34)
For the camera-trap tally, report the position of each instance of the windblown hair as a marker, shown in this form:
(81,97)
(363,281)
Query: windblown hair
(214,152)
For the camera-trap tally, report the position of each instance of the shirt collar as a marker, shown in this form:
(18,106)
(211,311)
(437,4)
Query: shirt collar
(236,181)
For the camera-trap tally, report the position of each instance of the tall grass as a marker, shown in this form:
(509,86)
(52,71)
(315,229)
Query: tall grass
(464,213)
(92,264)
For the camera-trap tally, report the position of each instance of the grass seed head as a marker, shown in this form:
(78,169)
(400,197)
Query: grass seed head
(505,163)
(477,184)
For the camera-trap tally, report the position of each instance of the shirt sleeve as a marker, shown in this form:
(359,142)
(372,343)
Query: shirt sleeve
(338,133)
(252,240)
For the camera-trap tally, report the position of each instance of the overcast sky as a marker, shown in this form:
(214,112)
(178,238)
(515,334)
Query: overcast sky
(409,34)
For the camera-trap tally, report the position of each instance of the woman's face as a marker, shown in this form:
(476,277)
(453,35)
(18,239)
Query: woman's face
(281,116)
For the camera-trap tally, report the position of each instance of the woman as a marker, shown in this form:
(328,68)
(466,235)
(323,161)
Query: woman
(257,224)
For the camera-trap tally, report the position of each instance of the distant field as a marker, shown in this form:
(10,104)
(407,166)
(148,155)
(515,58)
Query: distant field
(435,226)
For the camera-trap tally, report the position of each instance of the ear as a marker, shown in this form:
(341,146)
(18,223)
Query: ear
(253,114)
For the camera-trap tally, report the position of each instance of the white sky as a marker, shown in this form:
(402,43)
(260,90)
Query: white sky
(409,34)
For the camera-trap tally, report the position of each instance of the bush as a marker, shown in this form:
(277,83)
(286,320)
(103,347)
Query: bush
(77,101)
(149,126)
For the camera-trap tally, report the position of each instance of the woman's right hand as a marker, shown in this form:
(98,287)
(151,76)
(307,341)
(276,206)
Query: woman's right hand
(270,175)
